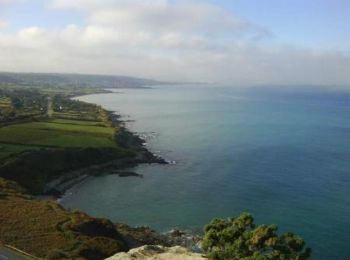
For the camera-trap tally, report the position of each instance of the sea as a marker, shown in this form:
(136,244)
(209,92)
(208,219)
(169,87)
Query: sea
(281,153)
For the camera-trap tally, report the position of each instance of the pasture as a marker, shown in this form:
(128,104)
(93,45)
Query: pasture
(56,133)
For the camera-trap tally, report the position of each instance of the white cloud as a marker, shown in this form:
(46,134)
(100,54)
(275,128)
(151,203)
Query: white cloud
(177,40)
(161,16)
(3,24)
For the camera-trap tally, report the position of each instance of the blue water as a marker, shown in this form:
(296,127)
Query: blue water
(282,155)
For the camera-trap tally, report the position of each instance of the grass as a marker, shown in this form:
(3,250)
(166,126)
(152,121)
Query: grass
(7,150)
(46,230)
(35,153)
(77,122)
(74,115)
(55,133)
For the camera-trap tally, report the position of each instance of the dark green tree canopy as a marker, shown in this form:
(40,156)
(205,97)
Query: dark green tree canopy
(240,238)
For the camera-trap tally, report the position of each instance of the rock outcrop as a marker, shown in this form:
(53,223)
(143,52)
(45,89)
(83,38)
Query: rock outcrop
(158,253)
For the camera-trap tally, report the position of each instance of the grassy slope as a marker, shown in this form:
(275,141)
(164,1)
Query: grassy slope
(60,133)
(35,153)
(7,150)
(46,230)
(35,169)
(63,134)
(51,146)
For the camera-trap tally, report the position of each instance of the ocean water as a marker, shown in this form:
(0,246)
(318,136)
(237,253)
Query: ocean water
(283,155)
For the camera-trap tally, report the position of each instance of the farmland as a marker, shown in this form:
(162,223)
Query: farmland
(58,133)
(43,137)
(48,139)
(35,120)
(39,149)
(19,105)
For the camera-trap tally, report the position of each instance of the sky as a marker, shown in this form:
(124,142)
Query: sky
(241,42)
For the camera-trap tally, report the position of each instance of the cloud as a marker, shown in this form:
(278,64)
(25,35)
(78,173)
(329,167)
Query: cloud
(3,24)
(7,2)
(168,40)
(161,16)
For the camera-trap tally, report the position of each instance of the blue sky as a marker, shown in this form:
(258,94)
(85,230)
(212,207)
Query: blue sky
(23,14)
(246,41)
(320,24)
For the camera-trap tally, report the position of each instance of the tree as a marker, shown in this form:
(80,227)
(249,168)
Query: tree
(17,103)
(240,238)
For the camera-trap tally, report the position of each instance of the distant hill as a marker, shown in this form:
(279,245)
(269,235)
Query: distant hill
(7,79)
(76,80)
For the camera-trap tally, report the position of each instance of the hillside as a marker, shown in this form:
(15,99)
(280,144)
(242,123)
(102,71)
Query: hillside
(47,138)
(46,230)
(73,80)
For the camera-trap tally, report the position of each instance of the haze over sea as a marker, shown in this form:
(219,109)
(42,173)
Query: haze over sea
(283,155)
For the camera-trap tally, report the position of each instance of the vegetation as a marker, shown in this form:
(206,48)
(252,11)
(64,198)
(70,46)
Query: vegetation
(77,110)
(34,170)
(44,136)
(46,230)
(19,104)
(18,138)
(67,136)
(52,134)
(239,238)
(73,82)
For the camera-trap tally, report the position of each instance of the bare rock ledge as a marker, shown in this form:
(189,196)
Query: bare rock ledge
(158,253)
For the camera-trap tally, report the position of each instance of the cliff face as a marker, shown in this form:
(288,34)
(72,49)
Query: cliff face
(158,253)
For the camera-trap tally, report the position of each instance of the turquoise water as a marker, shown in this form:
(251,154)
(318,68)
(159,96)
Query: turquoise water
(282,155)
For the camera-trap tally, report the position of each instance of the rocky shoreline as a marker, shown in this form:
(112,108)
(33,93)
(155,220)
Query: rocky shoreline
(76,234)
(126,139)
(134,236)
(140,236)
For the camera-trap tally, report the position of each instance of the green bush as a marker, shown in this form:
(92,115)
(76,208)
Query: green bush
(240,238)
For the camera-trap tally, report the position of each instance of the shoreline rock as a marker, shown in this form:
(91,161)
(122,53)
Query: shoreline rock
(125,139)
(157,252)
(139,236)
(124,174)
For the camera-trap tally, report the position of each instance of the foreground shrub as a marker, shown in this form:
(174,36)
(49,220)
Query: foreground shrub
(240,238)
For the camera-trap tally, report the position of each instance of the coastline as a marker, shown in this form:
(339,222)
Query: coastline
(82,234)
(139,235)
(126,139)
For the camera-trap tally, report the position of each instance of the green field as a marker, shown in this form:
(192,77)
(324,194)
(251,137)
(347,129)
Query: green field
(75,115)
(77,122)
(54,133)
(11,149)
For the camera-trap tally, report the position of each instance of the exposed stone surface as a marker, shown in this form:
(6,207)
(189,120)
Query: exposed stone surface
(158,253)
